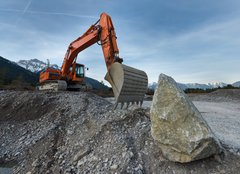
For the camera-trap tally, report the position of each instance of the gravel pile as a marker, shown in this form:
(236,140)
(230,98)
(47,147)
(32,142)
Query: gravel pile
(221,95)
(77,132)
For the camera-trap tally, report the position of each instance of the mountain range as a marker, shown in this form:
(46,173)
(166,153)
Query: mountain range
(14,76)
(184,86)
(236,84)
(35,66)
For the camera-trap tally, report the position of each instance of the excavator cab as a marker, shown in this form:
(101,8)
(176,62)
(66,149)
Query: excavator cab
(76,77)
(77,72)
(80,71)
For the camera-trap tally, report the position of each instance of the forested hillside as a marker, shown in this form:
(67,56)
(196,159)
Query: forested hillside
(13,76)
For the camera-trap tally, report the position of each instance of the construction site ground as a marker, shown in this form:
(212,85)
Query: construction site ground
(79,132)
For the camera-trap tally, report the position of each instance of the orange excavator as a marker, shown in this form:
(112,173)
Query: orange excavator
(129,84)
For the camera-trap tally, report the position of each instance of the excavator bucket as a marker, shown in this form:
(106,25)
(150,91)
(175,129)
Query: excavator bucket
(129,84)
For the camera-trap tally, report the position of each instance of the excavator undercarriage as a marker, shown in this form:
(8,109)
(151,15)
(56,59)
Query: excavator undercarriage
(53,85)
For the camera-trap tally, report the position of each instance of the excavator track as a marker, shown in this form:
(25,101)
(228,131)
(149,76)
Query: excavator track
(53,85)
(129,84)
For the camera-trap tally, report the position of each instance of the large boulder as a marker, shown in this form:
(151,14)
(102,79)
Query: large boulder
(178,127)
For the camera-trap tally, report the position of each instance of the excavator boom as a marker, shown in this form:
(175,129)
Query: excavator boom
(103,32)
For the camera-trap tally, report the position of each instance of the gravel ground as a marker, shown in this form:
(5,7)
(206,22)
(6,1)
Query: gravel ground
(224,120)
(221,110)
(76,132)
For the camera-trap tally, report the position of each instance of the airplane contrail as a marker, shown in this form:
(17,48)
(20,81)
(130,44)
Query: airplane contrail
(26,11)
(23,12)
(27,6)
(11,10)
(61,13)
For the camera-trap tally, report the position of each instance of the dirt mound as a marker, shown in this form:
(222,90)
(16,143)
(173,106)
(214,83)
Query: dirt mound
(220,95)
(81,133)
(227,93)
(24,105)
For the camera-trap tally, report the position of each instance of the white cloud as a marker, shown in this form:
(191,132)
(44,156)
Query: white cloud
(209,53)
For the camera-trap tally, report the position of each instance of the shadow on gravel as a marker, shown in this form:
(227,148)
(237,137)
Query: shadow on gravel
(22,106)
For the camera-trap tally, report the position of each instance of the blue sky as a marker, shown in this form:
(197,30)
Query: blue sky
(191,40)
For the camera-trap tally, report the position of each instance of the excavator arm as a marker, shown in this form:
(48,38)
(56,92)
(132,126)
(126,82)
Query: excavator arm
(129,84)
(102,31)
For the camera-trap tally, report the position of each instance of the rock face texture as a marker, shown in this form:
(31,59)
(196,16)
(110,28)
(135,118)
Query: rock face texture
(177,125)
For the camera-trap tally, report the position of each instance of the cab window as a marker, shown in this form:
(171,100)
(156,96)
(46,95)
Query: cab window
(80,71)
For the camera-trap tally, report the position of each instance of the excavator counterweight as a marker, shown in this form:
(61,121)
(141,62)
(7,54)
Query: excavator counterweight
(129,84)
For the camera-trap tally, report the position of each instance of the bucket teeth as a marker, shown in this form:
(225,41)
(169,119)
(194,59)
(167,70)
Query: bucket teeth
(127,104)
(138,103)
(122,104)
(115,105)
